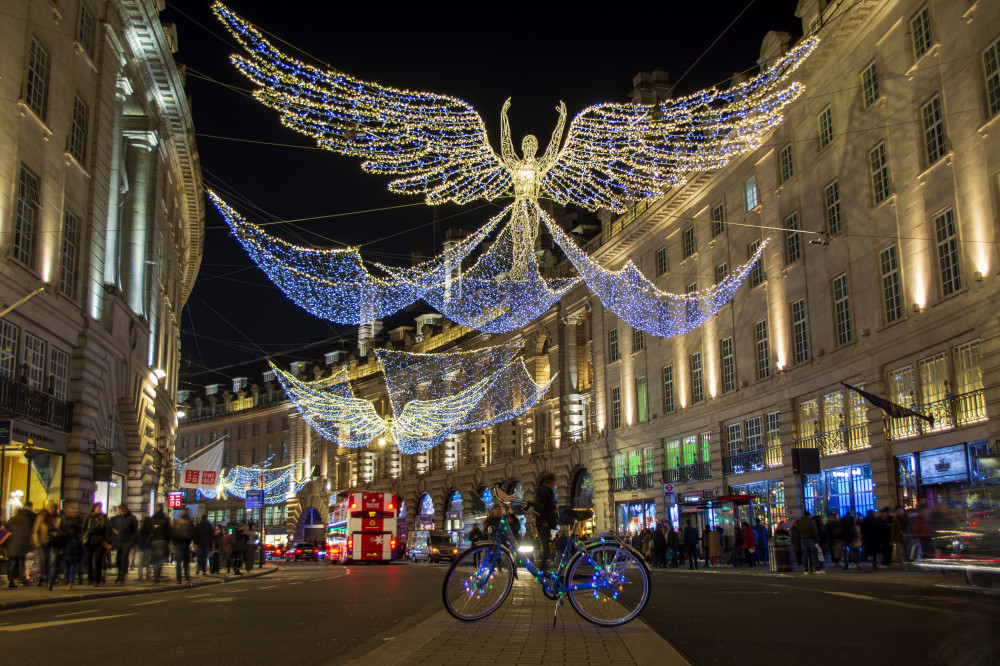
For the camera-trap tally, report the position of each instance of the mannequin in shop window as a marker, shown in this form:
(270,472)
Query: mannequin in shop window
(13,504)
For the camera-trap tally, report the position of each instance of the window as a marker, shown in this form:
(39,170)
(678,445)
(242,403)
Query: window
(869,84)
(842,310)
(947,242)
(59,369)
(734,438)
(668,388)
(757,272)
(690,451)
(239,456)
(256,429)
(9,336)
(750,193)
(706,447)
(728,365)
(831,198)
(616,407)
(718,220)
(34,358)
(892,298)
(793,243)
(28,202)
(641,402)
(920,31)
(78,133)
(212,389)
(241,432)
(697,383)
(968,375)
(613,353)
(239,383)
(991,72)
(673,453)
(284,423)
(253,455)
(67,261)
(86,30)
(825,127)
(661,261)
(934,381)
(772,421)
(36,88)
(808,418)
(299,367)
(199,439)
(933,131)
(800,336)
(268,376)
(269,428)
(284,450)
(879,164)
(763,349)
(689,244)
(754,434)
(638,339)
(785,163)
(721,272)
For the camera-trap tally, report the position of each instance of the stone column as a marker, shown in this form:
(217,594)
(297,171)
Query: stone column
(575,401)
(138,216)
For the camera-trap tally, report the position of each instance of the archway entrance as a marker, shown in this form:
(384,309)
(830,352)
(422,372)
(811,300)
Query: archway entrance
(425,513)
(454,522)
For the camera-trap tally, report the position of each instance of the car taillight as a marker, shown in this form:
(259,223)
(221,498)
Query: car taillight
(455,552)
(434,550)
(298,551)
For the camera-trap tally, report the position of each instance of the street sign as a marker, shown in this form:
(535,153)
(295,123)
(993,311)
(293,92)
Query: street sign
(255,499)
(175,500)
(668,487)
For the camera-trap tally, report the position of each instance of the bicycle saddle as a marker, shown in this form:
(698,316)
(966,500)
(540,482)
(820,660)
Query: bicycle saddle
(579,514)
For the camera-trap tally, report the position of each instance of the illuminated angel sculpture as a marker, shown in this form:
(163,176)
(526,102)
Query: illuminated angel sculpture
(437,146)
(431,396)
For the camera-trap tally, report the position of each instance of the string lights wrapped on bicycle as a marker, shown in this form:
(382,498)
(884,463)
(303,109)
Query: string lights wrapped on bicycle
(606,581)
(436,146)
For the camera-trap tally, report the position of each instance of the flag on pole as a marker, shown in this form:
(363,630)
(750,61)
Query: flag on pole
(889,407)
(204,470)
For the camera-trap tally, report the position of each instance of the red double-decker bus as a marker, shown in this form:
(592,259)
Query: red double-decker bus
(364,528)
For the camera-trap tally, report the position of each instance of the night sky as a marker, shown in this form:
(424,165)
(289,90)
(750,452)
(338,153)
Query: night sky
(536,53)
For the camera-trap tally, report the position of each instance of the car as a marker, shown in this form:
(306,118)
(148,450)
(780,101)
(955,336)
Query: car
(432,546)
(305,551)
(966,539)
(273,552)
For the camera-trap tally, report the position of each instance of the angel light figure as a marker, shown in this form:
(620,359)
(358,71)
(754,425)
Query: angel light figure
(437,146)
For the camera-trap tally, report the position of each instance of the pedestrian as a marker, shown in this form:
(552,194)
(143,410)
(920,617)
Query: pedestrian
(47,537)
(71,518)
(97,542)
(659,544)
(900,528)
(715,545)
(647,547)
(475,535)
(737,544)
(749,543)
(252,545)
(156,528)
(181,536)
(673,546)
(88,554)
(145,554)
(691,544)
(18,544)
(821,540)
(238,541)
(806,528)
(706,536)
(218,539)
(885,535)
(204,535)
(797,544)
(72,553)
(760,531)
(125,528)
(548,517)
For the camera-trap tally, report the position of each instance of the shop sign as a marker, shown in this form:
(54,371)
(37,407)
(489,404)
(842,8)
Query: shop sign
(668,487)
(5,432)
(175,500)
(32,435)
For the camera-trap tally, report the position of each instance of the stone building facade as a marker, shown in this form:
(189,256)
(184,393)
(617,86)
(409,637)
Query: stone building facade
(102,224)
(878,199)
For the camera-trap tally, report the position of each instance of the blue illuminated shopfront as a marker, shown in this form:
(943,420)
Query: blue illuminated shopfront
(840,489)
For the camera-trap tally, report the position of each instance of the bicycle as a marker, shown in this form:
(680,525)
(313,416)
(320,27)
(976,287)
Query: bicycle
(606,581)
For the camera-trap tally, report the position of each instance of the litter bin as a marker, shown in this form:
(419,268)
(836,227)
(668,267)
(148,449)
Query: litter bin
(780,552)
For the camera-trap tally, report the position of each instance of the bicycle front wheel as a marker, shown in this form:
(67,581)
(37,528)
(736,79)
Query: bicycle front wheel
(478,582)
(617,585)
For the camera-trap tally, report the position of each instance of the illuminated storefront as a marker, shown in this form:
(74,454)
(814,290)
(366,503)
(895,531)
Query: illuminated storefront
(940,475)
(453,519)
(31,465)
(425,513)
(767,503)
(840,490)
(634,515)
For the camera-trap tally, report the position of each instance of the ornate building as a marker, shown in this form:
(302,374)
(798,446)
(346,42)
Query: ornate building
(102,223)
(877,197)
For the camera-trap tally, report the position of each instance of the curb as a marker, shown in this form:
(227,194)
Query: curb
(123,592)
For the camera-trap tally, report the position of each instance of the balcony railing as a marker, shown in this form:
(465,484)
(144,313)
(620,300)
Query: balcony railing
(835,442)
(755,460)
(957,410)
(34,405)
(634,482)
(685,473)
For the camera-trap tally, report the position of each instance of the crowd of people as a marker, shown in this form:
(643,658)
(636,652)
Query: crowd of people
(79,548)
(664,546)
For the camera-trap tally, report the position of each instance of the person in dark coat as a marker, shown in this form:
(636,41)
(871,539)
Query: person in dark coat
(885,535)
(204,535)
(673,546)
(218,540)
(871,537)
(760,531)
(847,551)
(548,517)
(125,528)
(181,536)
(691,544)
(156,529)
(72,553)
(18,544)
(659,542)
(97,538)
(238,545)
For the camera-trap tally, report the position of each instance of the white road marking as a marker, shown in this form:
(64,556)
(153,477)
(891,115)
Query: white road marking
(195,596)
(42,625)
(92,610)
(267,587)
(146,603)
(852,596)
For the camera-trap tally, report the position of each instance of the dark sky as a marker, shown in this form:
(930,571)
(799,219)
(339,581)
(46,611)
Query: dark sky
(537,53)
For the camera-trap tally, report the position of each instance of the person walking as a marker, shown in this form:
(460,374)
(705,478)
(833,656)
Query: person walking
(760,531)
(659,545)
(871,537)
(900,529)
(72,553)
(548,518)
(96,540)
(806,528)
(204,535)
(47,537)
(88,555)
(749,543)
(156,529)
(715,545)
(18,544)
(181,536)
(125,528)
(218,539)
(691,544)
(673,546)
(252,546)
(238,543)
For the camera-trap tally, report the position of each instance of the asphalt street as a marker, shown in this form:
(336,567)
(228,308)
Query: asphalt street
(321,614)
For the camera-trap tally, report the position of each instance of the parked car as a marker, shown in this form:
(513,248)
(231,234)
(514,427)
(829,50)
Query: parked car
(431,546)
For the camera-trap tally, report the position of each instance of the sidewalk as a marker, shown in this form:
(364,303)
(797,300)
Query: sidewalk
(521,632)
(33,595)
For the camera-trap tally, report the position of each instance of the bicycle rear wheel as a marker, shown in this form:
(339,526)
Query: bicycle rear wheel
(478,582)
(621,585)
